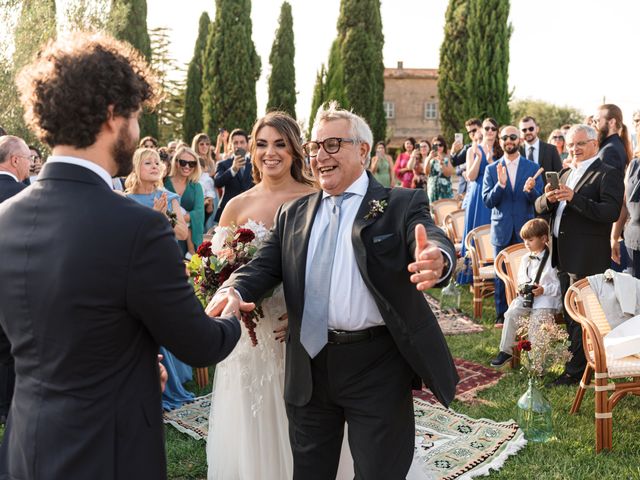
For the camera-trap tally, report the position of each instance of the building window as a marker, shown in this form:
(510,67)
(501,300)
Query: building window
(389,109)
(430,111)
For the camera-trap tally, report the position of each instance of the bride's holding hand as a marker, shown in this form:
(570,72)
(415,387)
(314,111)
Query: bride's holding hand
(248,428)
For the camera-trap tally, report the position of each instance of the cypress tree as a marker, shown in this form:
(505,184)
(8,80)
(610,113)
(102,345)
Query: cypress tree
(134,31)
(356,69)
(487,73)
(231,68)
(451,72)
(319,96)
(192,119)
(282,81)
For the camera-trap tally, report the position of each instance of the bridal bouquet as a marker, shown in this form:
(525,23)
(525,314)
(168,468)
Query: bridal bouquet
(209,270)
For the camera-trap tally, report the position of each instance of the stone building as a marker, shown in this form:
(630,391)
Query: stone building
(411,103)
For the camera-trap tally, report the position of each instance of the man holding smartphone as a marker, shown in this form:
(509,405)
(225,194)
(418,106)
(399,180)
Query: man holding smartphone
(583,207)
(234,173)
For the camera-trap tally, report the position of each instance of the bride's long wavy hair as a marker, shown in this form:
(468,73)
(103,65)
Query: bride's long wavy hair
(290,131)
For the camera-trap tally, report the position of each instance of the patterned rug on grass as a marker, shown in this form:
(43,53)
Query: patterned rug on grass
(452,323)
(449,445)
(473,378)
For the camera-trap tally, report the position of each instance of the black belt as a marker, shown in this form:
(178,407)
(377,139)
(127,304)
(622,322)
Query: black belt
(339,337)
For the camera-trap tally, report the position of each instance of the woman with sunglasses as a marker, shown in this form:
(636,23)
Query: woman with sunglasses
(557,138)
(248,411)
(484,150)
(144,185)
(438,169)
(184,180)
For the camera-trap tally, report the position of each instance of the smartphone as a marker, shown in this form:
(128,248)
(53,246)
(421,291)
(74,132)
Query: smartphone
(552,179)
(457,137)
(240,152)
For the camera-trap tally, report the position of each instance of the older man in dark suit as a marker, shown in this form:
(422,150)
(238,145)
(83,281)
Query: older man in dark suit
(92,282)
(360,333)
(582,211)
(14,161)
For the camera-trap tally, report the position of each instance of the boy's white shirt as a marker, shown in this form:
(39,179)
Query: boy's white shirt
(551,297)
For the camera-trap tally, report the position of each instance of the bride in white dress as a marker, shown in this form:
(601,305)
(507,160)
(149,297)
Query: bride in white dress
(248,427)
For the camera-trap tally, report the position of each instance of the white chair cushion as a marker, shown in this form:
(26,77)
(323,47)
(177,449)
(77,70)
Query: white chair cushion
(488,272)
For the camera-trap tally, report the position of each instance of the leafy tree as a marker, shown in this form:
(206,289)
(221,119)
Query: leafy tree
(192,119)
(487,72)
(231,68)
(170,80)
(548,116)
(282,81)
(134,31)
(451,71)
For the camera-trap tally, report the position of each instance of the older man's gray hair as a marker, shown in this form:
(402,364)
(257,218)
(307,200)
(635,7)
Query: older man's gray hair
(360,130)
(9,144)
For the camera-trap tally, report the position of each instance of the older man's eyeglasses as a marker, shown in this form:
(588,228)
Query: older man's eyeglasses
(330,145)
(581,144)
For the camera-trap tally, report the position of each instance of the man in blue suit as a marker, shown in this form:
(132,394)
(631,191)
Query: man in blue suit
(510,188)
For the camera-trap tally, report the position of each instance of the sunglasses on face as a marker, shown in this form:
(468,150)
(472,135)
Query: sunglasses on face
(187,163)
(490,129)
(557,137)
(527,129)
(437,145)
(472,131)
(513,137)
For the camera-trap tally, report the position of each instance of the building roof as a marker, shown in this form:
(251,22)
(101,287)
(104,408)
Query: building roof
(411,73)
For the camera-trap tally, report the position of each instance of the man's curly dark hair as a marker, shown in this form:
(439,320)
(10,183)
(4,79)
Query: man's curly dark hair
(68,89)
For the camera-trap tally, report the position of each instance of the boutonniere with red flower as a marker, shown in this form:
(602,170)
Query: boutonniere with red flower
(376,208)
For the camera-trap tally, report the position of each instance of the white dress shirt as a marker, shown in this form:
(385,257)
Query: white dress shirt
(551,297)
(574,177)
(536,150)
(355,310)
(10,175)
(512,170)
(80,162)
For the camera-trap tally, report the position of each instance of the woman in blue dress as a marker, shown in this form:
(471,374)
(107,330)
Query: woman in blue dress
(144,185)
(485,149)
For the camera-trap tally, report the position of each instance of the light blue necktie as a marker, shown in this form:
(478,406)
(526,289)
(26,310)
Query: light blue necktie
(313,334)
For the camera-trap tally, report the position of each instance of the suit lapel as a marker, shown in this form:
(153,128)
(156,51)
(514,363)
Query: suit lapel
(375,192)
(591,171)
(302,231)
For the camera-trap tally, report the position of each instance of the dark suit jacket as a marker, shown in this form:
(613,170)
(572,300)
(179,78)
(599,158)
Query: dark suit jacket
(548,158)
(511,207)
(583,246)
(612,152)
(383,246)
(9,187)
(92,283)
(233,184)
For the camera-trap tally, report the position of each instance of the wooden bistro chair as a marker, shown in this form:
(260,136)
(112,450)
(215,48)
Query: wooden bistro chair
(454,226)
(478,244)
(507,265)
(582,305)
(202,376)
(441,208)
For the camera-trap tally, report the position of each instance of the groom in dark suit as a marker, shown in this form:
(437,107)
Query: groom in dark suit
(92,282)
(353,259)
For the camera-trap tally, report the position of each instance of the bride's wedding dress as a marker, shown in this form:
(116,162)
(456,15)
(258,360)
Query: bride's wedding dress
(248,427)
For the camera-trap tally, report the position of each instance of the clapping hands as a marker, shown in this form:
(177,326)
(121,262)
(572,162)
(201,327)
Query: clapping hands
(502,175)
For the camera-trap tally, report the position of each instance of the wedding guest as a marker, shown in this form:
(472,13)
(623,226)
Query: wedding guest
(14,169)
(416,164)
(36,164)
(582,211)
(510,191)
(234,173)
(105,280)
(148,142)
(613,137)
(629,220)
(538,289)
(202,146)
(403,173)
(382,165)
(184,180)
(144,185)
(556,138)
(438,169)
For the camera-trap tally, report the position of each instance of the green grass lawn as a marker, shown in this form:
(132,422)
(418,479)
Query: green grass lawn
(570,456)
